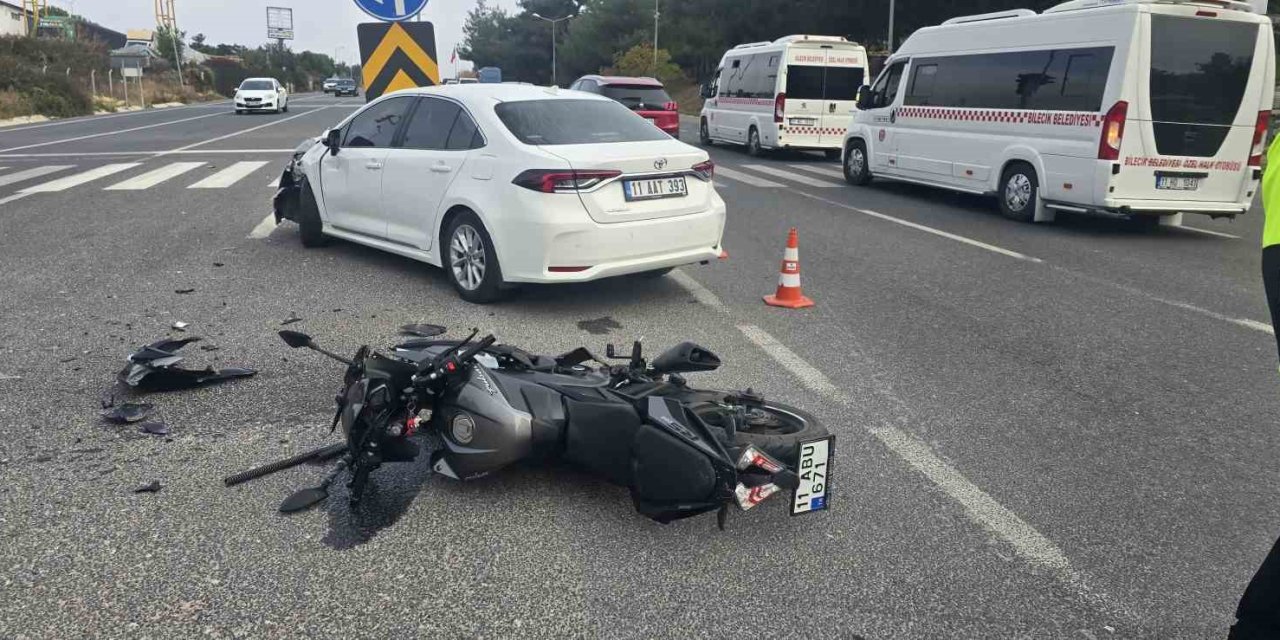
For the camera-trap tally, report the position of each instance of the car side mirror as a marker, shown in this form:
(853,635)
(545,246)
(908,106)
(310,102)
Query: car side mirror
(865,97)
(706,92)
(332,141)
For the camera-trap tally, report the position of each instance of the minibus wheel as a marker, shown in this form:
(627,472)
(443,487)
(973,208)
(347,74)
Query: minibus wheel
(704,134)
(1019,190)
(753,143)
(856,170)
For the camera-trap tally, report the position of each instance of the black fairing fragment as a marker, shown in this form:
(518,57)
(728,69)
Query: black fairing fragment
(155,368)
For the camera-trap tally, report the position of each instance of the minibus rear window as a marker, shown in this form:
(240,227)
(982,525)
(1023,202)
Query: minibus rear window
(823,83)
(1199,68)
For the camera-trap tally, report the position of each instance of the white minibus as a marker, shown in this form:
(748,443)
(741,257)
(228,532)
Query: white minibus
(1142,109)
(793,93)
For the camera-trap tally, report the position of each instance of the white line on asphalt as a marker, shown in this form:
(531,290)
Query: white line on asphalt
(109,116)
(274,183)
(822,169)
(699,292)
(229,176)
(155,177)
(812,378)
(788,175)
(141,153)
(264,228)
(32,173)
(1208,232)
(919,227)
(111,133)
(3,168)
(240,132)
(724,172)
(80,178)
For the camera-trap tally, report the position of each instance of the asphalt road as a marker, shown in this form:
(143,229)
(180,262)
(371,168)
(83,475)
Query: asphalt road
(1043,431)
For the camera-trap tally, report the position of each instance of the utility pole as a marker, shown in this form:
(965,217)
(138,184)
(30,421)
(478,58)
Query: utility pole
(554,23)
(891,7)
(655,38)
(167,19)
(32,10)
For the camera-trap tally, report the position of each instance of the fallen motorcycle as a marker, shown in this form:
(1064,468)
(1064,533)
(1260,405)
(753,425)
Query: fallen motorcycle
(482,406)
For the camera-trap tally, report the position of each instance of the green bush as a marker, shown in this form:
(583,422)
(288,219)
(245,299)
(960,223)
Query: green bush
(35,70)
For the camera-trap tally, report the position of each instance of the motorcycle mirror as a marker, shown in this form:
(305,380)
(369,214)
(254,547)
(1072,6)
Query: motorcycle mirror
(303,499)
(295,339)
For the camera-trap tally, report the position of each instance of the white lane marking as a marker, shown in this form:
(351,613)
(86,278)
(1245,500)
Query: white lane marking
(109,116)
(154,177)
(699,292)
(724,172)
(264,228)
(1260,327)
(3,168)
(788,175)
(112,154)
(229,176)
(80,178)
(274,183)
(919,227)
(240,132)
(821,169)
(809,375)
(111,133)
(34,172)
(1209,232)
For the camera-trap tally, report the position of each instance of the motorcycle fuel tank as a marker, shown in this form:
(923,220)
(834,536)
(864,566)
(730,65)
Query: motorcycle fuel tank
(481,430)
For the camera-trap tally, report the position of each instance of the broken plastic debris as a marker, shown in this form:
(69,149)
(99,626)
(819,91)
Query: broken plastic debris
(181,326)
(422,330)
(154,368)
(151,487)
(293,317)
(154,428)
(128,413)
(183,291)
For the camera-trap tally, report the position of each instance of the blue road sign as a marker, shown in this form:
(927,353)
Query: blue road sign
(392,10)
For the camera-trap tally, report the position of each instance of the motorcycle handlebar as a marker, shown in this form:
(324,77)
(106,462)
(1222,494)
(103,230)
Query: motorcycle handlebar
(483,344)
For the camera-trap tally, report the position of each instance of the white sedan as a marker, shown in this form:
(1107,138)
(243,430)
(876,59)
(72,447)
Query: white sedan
(261,94)
(502,184)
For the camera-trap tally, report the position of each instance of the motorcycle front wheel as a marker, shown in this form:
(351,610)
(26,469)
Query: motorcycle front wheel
(774,428)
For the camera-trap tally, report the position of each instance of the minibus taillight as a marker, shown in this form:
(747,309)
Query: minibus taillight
(779,107)
(1259,139)
(1113,131)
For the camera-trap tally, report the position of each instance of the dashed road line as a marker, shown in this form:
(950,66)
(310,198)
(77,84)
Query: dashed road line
(32,173)
(1209,232)
(154,177)
(96,118)
(112,133)
(725,172)
(788,175)
(229,175)
(240,132)
(116,154)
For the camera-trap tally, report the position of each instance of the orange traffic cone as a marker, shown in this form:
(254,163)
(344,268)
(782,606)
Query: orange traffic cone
(789,294)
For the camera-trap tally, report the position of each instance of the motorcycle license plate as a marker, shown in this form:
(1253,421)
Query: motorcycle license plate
(674,187)
(814,470)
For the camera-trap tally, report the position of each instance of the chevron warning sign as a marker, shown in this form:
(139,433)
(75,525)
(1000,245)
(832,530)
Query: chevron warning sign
(397,55)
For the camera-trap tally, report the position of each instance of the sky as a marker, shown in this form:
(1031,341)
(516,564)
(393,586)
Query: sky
(324,26)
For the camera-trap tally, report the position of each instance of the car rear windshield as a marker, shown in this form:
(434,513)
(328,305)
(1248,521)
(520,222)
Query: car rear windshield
(256,85)
(823,83)
(549,122)
(642,97)
(1199,68)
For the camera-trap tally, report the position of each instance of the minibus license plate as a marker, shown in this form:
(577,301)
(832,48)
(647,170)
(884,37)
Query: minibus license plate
(1178,183)
(814,470)
(803,122)
(673,187)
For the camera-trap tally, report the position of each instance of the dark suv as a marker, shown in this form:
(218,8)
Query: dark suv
(345,87)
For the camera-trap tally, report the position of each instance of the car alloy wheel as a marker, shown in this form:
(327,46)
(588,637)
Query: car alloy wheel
(467,257)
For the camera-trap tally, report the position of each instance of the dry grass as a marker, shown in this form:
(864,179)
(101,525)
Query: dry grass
(13,105)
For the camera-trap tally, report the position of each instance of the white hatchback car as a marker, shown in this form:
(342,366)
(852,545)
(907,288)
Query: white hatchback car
(502,184)
(261,94)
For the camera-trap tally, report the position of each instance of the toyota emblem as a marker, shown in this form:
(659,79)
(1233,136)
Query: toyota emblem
(660,164)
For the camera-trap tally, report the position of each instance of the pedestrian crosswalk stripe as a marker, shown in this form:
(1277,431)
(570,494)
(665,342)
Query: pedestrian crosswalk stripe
(794,177)
(80,178)
(228,176)
(32,173)
(724,172)
(820,169)
(274,183)
(153,178)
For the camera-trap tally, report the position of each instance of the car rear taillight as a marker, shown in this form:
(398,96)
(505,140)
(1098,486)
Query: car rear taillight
(671,106)
(1113,131)
(1259,139)
(779,106)
(562,181)
(705,170)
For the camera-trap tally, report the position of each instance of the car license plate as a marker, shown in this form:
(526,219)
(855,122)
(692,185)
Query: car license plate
(652,121)
(673,187)
(1178,183)
(814,470)
(803,122)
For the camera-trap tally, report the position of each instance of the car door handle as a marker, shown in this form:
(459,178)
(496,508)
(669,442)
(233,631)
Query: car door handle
(373,166)
(441,168)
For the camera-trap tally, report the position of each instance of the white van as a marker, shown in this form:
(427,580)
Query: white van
(1142,109)
(793,93)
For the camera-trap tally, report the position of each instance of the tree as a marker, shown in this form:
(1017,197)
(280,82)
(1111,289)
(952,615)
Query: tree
(197,43)
(638,61)
(170,46)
